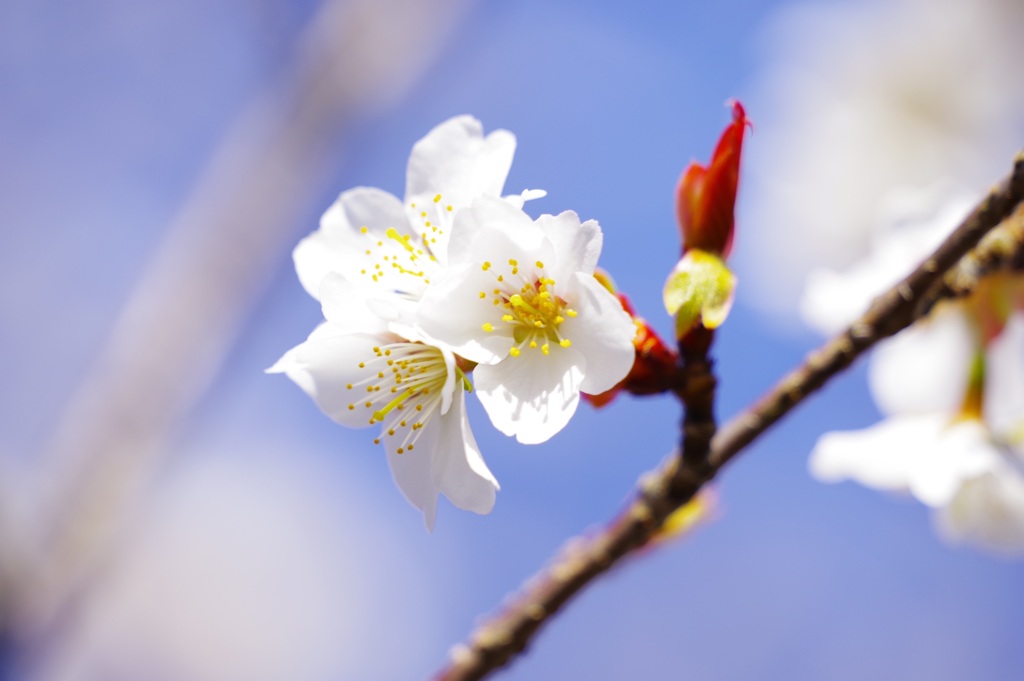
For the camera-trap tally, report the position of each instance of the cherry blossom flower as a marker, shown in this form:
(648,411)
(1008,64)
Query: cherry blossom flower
(519,298)
(362,375)
(372,258)
(954,437)
(386,244)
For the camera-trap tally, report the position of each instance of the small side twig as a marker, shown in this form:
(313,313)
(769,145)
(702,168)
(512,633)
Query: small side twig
(659,493)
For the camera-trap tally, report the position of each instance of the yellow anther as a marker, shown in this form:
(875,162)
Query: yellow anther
(488,327)
(349,386)
(403,241)
(512,262)
(504,318)
(351,407)
(559,319)
(486,266)
(514,352)
(482,295)
(564,342)
(449,209)
(533,344)
(571,313)
(437,198)
(545,348)
(539,264)
(410,447)
(376,440)
(362,365)
(400,451)
(363,230)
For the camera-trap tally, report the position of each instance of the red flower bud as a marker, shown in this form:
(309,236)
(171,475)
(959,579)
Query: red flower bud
(706,196)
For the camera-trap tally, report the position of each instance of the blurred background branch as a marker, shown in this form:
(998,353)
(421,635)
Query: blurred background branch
(182,319)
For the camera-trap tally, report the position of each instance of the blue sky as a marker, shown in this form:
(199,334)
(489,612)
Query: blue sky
(108,115)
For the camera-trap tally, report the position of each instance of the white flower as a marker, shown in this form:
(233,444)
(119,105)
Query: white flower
(362,375)
(969,467)
(916,222)
(975,484)
(519,298)
(384,244)
(369,263)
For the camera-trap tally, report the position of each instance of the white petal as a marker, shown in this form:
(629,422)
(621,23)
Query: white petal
(445,460)
(531,396)
(458,162)
(576,246)
(518,200)
(453,313)
(832,300)
(1004,381)
(338,244)
(459,470)
(412,472)
(325,366)
(885,456)
(494,214)
(924,369)
(601,331)
(988,511)
(345,306)
(962,451)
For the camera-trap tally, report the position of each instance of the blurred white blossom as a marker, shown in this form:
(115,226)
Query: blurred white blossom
(954,399)
(860,99)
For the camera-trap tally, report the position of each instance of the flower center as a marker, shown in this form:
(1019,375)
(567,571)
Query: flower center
(534,312)
(407,261)
(401,389)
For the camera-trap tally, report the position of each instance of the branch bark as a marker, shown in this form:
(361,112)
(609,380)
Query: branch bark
(505,635)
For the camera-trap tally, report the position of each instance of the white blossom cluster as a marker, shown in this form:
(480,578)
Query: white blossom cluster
(454,285)
(952,389)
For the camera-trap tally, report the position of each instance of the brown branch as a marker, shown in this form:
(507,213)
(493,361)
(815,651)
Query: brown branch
(507,634)
(695,387)
(1002,250)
